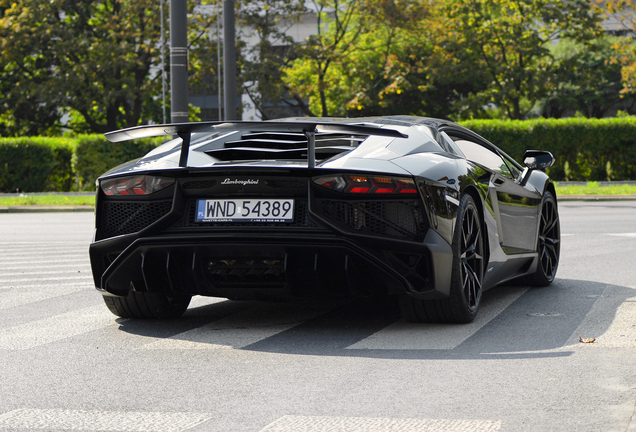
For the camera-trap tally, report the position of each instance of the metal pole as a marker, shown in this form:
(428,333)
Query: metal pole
(229,60)
(178,61)
(163,66)
(218,61)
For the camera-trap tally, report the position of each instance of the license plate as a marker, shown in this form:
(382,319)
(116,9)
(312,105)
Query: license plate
(245,210)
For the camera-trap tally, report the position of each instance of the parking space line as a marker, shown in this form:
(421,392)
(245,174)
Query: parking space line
(55,328)
(59,419)
(611,322)
(238,330)
(412,336)
(364,424)
(72,277)
(22,295)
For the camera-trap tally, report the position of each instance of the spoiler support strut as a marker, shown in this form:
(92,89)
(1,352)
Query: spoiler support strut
(311,148)
(185,148)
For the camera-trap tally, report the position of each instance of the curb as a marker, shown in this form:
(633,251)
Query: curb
(631,197)
(45,209)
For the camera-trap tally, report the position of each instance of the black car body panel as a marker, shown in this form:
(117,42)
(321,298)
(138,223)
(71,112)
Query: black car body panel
(369,240)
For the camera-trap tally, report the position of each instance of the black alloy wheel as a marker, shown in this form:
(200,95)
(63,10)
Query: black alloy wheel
(472,258)
(548,243)
(467,274)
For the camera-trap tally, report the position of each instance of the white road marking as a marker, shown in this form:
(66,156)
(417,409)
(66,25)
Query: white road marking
(623,234)
(79,420)
(621,332)
(49,272)
(40,252)
(49,262)
(72,277)
(58,327)
(409,336)
(81,265)
(238,330)
(18,296)
(48,259)
(363,424)
(40,244)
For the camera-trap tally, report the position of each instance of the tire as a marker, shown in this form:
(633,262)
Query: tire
(467,276)
(147,305)
(548,243)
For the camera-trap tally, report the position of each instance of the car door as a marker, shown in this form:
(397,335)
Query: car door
(515,206)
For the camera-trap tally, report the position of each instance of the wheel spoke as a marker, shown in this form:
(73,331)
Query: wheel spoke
(471,255)
(471,286)
(549,239)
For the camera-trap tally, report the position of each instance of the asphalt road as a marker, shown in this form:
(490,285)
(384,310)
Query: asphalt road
(66,363)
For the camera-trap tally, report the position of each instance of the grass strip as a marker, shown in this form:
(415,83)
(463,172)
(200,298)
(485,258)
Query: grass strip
(593,188)
(47,200)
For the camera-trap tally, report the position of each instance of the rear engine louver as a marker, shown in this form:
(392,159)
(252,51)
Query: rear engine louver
(277,146)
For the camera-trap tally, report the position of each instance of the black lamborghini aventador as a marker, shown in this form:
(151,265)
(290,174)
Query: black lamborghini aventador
(417,208)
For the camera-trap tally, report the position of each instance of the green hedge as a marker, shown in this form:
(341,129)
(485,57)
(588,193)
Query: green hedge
(95,155)
(36,164)
(41,164)
(585,149)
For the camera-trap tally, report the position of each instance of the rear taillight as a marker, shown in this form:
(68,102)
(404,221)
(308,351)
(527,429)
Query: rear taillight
(363,184)
(135,185)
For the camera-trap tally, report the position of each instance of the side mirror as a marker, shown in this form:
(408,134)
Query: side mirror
(535,159)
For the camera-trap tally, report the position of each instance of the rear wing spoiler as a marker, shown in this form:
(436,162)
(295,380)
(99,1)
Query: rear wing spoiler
(185,130)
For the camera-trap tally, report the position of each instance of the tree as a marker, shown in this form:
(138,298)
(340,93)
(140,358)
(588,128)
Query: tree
(399,66)
(262,62)
(624,12)
(339,23)
(587,81)
(97,60)
(91,57)
(398,61)
(511,39)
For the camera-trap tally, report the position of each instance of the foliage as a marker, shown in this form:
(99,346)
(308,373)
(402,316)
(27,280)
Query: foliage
(93,57)
(95,155)
(41,164)
(339,23)
(203,40)
(387,64)
(585,149)
(624,12)
(511,39)
(97,60)
(396,67)
(587,81)
(593,188)
(36,164)
(458,59)
(261,62)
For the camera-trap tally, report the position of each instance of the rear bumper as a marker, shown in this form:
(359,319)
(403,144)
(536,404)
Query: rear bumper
(336,245)
(262,266)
